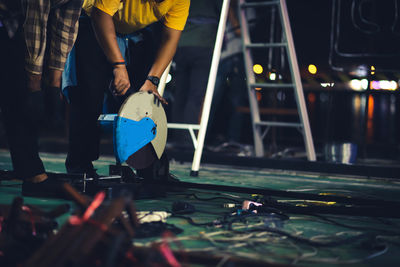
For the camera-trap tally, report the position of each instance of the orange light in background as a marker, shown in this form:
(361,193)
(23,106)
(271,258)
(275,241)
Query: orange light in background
(259,96)
(312,69)
(311,105)
(258,69)
(370,122)
(311,98)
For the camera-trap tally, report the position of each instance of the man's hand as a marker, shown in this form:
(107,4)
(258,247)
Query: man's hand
(121,82)
(151,88)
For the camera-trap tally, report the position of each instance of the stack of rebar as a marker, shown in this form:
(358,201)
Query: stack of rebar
(98,235)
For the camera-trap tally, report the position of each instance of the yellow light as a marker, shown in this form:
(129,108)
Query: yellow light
(372,70)
(312,69)
(258,69)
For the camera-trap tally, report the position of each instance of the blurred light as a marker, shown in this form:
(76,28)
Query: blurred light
(311,97)
(359,85)
(258,69)
(370,118)
(258,95)
(272,76)
(360,71)
(372,70)
(364,84)
(375,85)
(355,84)
(281,96)
(384,85)
(323,97)
(312,69)
(392,104)
(258,88)
(356,103)
(169,78)
(327,84)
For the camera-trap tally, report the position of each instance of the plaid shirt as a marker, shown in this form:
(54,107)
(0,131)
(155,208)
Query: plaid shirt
(63,16)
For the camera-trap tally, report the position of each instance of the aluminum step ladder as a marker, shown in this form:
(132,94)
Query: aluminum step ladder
(198,141)
(261,128)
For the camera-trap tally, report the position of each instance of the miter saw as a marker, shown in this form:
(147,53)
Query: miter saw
(139,133)
(139,130)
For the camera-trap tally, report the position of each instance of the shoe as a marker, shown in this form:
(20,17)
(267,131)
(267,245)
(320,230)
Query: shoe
(82,169)
(49,188)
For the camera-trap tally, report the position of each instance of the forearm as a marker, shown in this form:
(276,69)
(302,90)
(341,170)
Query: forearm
(166,52)
(105,33)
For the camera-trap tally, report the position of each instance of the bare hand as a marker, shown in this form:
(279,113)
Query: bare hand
(151,88)
(121,82)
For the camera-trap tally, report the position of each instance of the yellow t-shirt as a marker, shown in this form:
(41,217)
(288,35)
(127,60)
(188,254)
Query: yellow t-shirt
(132,15)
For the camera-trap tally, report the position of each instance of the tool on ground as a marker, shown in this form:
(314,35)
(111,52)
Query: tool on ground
(139,130)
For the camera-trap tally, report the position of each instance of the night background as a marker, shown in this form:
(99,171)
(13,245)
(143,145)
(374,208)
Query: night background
(345,40)
(237,208)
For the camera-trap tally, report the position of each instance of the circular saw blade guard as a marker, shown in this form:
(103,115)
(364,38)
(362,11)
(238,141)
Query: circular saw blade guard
(141,119)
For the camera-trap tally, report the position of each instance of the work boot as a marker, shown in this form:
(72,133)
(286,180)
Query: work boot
(81,169)
(49,188)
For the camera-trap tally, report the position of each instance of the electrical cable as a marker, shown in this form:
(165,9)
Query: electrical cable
(354,227)
(208,199)
(309,241)
(283,193)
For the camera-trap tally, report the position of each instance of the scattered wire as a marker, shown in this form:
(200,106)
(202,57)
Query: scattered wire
(353,226)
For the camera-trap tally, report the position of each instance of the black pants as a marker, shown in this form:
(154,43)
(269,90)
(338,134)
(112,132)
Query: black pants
(191,76)
(20,129)
(94,74)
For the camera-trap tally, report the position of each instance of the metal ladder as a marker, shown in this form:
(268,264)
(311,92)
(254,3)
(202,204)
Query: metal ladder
(198,141)
(261,128)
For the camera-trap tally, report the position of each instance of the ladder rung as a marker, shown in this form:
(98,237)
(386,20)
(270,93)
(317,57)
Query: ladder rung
(271,85)
(257,4)
(265,45)
(279,124)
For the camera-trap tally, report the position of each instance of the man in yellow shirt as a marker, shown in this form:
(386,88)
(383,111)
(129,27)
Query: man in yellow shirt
(119,59)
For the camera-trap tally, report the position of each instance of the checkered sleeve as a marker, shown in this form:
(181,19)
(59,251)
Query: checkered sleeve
(63,15)
(36,16)
(64,31)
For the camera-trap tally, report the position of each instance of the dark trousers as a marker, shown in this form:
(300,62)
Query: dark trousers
(94,74)
(230,93)
(191,76)
(21,131)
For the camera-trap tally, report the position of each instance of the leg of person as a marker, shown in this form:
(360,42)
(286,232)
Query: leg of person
(198,84)
(238,97)
(182,73)
(21,129)
(21,132)
(63,30)
(217,100)
(86,100)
